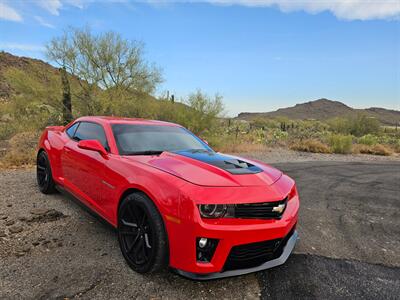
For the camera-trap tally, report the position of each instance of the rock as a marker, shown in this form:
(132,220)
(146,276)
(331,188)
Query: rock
(9,205)
(26,248)
(35,243)
(2,233)
(45,215)
(59,244)
(4,218)
(16,229)
(19,254)
(39,211)
(10,222)
(22,219)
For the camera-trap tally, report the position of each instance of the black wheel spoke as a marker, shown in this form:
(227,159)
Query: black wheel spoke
(142,222)
(129,224)
(42,171)
(133,213)
(136,234)
(125,232)
(135,241)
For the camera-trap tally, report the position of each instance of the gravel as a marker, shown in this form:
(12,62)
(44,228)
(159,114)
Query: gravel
(56,250)
(278,155)
(53,249)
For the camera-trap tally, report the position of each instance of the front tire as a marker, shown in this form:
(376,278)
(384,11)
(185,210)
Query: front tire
(141,234)
(43,174)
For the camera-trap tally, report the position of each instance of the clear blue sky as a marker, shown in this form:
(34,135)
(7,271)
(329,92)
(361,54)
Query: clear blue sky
(258,56)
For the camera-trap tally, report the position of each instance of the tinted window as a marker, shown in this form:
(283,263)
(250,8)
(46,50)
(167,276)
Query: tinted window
(137,138)
(91,131)
(71,130)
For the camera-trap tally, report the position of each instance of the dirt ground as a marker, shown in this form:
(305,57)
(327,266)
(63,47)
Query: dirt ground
(50,247)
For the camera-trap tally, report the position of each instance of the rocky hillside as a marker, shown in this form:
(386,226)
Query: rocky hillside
(39,69)
(323,109)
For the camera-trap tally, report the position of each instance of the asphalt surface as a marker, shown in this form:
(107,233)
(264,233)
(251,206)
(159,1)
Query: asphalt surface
(349,231)
(349,228)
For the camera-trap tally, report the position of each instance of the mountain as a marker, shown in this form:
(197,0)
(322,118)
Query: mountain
(323,109)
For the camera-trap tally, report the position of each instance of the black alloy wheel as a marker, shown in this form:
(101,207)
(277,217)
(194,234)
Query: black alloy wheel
(43,174)
(141,234)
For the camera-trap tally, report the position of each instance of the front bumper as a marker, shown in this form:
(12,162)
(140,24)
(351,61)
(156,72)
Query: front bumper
(267,265)
(233,234)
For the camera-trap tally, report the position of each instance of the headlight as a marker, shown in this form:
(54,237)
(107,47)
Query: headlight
(212,210)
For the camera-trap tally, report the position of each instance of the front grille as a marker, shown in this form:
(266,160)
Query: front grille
(255,254)
(259,210)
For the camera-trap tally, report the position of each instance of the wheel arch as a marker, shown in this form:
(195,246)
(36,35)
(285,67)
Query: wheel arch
(131,190)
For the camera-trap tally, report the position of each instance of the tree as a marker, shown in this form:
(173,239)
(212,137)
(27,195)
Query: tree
(103,62)
(205,110)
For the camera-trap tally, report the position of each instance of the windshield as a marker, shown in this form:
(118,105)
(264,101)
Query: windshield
(150,139)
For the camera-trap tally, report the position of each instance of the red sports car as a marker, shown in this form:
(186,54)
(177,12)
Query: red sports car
(174,201)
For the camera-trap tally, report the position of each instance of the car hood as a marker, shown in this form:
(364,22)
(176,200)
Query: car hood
(212,169)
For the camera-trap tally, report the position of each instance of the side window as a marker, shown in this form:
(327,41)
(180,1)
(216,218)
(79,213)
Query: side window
(91,131)
(71,130)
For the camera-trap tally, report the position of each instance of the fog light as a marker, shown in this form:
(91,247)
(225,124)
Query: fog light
(202,242)
(205,249)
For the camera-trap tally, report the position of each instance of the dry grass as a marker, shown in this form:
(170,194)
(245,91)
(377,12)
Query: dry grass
(377,149)
(21,150)
(310,145)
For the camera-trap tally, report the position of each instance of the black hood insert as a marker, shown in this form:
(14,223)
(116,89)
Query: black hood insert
(224,162)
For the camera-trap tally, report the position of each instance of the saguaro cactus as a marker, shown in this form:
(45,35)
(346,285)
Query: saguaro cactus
(66,99)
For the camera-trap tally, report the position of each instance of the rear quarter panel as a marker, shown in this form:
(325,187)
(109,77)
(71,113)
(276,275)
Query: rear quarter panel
(52,141)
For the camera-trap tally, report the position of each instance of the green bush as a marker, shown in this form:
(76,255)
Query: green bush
(368,139)
(359,125)
(341,143)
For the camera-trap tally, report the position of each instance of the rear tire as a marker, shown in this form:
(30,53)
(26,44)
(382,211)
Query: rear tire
(141,234)
(43,174)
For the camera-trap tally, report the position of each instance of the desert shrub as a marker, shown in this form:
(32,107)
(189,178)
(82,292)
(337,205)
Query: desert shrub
(358,125)
(276,136)
(310,145)
(377,149)
(340,143)
(7,130)
(368,139)
(264,123)
(395,144)
(22,149)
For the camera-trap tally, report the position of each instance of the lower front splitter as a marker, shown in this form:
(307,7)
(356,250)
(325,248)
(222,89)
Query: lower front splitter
(267,265)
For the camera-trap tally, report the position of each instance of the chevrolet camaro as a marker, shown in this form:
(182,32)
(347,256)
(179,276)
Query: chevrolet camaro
(173,200)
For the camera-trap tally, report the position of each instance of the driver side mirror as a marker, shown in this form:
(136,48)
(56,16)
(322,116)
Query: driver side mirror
(93,145)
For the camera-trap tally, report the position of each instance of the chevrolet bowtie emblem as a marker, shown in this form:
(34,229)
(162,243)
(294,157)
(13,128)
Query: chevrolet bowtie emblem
(279,208)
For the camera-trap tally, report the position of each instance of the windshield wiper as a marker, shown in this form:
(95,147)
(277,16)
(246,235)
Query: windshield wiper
(146,152)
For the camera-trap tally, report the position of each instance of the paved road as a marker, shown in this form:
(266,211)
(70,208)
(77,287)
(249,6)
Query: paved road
(349,228)
(350,233)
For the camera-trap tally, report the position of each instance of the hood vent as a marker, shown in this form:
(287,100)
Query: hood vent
(224,162)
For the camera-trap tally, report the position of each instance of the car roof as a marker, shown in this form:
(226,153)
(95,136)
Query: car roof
(122,120)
